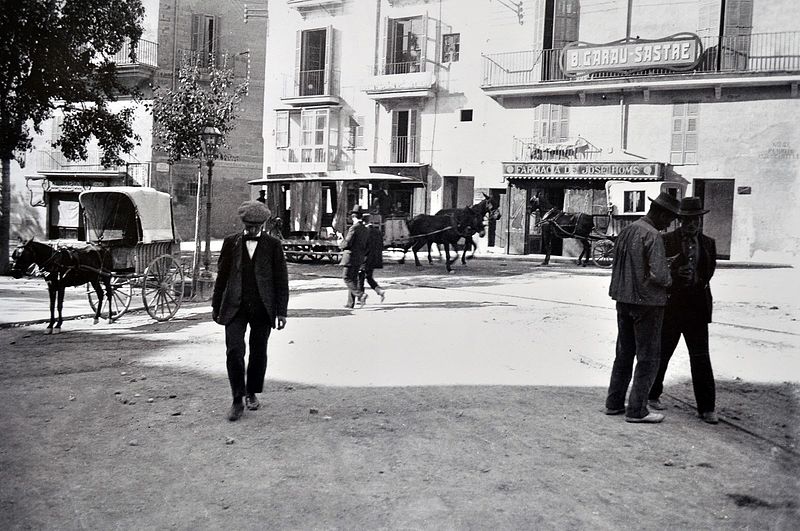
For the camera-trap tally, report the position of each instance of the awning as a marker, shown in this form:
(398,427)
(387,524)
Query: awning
(332,176)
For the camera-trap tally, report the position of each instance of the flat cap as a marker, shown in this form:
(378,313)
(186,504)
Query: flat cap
(254,212)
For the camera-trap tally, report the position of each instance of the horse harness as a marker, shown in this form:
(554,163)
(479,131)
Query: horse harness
(558,227)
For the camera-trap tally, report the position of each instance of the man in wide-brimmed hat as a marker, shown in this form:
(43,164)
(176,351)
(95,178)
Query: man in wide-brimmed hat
(252,288)
(688,310)
(639,282)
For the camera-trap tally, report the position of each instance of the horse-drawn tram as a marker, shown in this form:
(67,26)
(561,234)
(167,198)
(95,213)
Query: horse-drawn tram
(311,212)
(134,226)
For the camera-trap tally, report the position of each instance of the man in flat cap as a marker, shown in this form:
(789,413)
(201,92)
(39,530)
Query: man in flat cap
(639,282)
(354,246)
(252,288)
(688,310)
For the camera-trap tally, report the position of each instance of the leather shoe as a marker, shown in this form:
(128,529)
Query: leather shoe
(252,402)
(382,294)
(656,404)
(610,411)
(651,418)
(709,416)
(235,413)
(362,299)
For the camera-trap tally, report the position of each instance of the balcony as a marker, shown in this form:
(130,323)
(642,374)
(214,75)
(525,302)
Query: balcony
(401,80)
(302,159)
(569,149)
(54,162)
(405,150)
(312,87)
(745,60)
(146,60)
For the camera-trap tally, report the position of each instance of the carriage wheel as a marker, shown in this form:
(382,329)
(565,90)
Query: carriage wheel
(162,290)
(121,295)
(603,253)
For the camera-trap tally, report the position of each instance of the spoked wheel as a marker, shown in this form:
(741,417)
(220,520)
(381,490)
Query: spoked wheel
(603,253)
(121,295)
(162,289)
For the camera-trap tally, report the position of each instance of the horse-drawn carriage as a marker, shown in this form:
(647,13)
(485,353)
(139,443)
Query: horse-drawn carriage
(626,201)
(130,245)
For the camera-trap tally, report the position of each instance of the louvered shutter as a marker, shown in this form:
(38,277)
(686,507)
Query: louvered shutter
(424,48)
(298,51)
(328,81)
(386,48)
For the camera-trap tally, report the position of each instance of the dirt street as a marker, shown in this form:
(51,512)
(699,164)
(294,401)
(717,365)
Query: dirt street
(464,401)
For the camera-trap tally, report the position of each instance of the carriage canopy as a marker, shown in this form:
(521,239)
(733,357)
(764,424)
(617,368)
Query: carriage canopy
(127,214)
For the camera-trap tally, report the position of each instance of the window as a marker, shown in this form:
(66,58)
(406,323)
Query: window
(466,115)
(282,129)
(205,39)
(313,62)
(404,136)
(551,123)
(405,45)
(450,47)
(634,202)
(683,145)
(355,133)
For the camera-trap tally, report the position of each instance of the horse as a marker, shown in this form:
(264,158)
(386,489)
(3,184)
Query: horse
(487,206)
(62,268)
(556,223)
(447,229)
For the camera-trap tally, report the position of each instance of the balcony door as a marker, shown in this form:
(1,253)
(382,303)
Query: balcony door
(406,40)
(561,22)
(313,62)
(405,136)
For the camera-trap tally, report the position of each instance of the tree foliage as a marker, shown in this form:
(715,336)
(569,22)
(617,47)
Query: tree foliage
(202,97)
(56,54)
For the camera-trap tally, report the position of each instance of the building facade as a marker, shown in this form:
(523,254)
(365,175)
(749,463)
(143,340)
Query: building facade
(45,192)
(553,98)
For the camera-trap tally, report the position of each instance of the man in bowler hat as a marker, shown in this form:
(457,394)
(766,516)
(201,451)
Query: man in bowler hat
(688,309)
(252,288)
(639,281)
(354,246)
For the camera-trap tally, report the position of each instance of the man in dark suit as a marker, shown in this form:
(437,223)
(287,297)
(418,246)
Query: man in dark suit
(688,309)
(373,259)
(354,246)
(252,288)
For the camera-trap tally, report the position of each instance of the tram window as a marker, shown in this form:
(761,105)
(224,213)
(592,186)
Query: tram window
(634,201)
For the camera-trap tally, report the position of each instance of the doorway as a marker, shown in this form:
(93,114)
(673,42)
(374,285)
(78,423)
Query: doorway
(717,196)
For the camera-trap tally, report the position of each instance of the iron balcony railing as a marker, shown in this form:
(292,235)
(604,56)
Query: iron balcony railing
(314,83)
(50,160)
(754,53)
(239,63)
(567,149)
(404,149)
(146,54)
(405,67)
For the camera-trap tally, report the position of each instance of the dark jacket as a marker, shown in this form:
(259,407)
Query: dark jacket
(374,258)
(354,245)
(270,271)
(698,296)
(641,274)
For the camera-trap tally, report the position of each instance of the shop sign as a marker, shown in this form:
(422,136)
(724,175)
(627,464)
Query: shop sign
(63,185)
(581,170)
(681,51)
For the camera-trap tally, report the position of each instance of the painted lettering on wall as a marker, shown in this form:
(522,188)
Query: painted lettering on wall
(678,52)
(780,151)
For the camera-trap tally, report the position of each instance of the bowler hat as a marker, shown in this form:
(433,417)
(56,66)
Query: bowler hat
(690,207)
(357,210)
(667,202)
(254,212)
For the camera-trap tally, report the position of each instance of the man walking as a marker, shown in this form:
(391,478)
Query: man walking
(373,259)
(252,288)
(354,246)
(688,309)
(639,282)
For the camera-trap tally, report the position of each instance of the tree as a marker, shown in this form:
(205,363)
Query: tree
(181,114)
(56,55)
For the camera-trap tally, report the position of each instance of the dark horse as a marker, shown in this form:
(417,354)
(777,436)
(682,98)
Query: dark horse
(556,223)
(488,205)
(63,268)
(446,229)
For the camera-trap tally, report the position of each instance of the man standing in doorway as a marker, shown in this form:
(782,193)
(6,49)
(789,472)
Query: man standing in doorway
(252,288)
(688,310)
(354,246)
(639,282)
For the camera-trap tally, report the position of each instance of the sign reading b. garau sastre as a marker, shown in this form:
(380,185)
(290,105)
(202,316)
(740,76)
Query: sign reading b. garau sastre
(681,51)
(634,171)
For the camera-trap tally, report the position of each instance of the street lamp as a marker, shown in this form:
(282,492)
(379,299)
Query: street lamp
(210,138)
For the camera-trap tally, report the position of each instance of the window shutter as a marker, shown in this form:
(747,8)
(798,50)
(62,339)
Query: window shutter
(386,48)
(298,51)
(214,52)
(423,59)
(328,81)
(564,123)
(394,142)
(196,29)
(359,132)
(282,129)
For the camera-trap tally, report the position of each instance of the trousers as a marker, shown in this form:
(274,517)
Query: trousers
(639,339)
(351,281)
(247,379)
(692,325)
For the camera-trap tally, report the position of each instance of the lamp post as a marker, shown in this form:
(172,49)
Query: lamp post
(210,139)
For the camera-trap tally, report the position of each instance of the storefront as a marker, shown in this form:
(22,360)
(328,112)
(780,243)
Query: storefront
(572,186)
